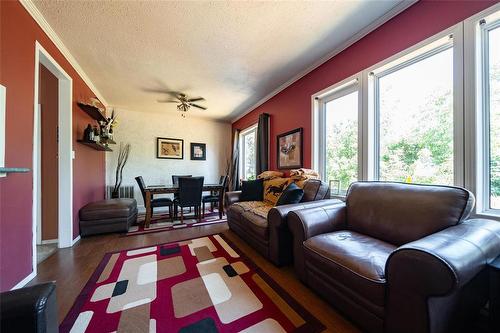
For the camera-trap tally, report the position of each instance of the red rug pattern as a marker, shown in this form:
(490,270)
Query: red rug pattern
(199,285)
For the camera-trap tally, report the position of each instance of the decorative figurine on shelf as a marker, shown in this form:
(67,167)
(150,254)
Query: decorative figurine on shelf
(97,137)
(88,134)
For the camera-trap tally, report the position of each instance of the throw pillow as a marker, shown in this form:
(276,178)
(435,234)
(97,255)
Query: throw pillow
(252,190)
(273,189)
(291,195)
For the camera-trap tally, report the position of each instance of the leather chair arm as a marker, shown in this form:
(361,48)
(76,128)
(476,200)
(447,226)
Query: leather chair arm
(310,222)
(434,269)
(280,240)
(30,309)
(232,197)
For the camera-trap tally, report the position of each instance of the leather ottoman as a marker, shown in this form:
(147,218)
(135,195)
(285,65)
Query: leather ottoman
(113,215)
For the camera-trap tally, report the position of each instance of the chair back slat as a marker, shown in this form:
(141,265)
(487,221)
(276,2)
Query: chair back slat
(142,186)
(175,178)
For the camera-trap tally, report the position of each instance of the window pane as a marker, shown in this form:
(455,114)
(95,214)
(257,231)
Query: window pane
(494,71)
(416,122)
(342,142)
(249,158)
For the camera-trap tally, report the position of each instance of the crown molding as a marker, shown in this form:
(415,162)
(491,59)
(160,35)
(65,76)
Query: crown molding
(40,20)
(397,9)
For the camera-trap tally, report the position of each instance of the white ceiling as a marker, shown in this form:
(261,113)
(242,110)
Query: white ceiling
(231,53)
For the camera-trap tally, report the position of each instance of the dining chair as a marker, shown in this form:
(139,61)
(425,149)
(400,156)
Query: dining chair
(190,191)
(158,202)
(175,181)
(213,198)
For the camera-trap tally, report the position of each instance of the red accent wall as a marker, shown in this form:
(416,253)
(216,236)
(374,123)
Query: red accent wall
(18,33)
(291,108)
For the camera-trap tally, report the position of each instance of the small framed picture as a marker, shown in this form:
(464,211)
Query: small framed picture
(289,149)
(170,148)
(198,151)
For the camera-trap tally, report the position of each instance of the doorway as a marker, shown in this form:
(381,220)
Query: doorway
(52,157)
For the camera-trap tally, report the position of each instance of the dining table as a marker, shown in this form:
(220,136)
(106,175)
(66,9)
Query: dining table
(172,189)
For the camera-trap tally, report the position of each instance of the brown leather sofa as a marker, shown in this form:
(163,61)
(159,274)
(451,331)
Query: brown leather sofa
(264,227)
(398,257)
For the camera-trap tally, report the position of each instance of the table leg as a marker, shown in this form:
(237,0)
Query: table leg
(221,203)
(147,220)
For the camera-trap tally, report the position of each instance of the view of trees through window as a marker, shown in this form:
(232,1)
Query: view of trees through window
(249,160)
(494,94)
(416,122)
(342,142)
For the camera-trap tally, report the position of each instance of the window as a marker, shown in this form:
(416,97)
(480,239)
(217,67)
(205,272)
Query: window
(339,110)
(490,98)
(414,116)
(248,140)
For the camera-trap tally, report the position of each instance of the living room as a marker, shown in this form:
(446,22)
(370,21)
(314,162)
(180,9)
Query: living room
(250,166)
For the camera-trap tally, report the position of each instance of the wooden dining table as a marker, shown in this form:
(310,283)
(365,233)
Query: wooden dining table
(172,189)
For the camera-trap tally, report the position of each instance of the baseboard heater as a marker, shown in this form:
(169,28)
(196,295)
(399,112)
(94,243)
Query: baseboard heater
(124,192)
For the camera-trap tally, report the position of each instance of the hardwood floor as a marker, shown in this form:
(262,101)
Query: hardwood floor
(71,269)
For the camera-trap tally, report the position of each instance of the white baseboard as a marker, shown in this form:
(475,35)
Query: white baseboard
(50,241)
(24,281)
(76,240)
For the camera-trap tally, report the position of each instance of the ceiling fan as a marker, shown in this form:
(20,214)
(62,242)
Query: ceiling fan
(183,101)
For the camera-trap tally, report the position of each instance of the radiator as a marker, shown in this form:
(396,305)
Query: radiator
(124,192)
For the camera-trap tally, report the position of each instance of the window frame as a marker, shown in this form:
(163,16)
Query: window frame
(243,133)
(412,55)
(477,108)
(319,101)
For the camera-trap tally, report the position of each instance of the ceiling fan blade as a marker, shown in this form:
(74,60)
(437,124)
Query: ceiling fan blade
(168,101)
(196,99)
(197,106)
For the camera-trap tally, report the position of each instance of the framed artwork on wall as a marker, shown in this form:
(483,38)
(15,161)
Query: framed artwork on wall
(169,148)
(289,149)
(198,151)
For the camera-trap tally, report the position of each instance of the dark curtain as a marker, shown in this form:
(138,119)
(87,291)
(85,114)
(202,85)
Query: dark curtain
(262,151)
(234,178)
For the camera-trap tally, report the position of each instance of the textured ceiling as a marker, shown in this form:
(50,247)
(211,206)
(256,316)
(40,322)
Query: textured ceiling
(231,53)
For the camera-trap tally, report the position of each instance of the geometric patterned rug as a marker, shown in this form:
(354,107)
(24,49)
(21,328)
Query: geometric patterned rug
(163,223)
(199,285)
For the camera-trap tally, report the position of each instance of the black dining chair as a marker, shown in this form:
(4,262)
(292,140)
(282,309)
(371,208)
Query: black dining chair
(213,198)
(190,191)
(175,181)
(158,202)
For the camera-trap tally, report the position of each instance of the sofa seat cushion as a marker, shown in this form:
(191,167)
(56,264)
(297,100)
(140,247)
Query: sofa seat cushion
(239,208)
(109,209)
(353,260)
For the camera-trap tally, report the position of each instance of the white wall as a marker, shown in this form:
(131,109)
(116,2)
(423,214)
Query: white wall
(141,129)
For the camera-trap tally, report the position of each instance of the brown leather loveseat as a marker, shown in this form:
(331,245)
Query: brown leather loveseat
(398,257)
(264,227)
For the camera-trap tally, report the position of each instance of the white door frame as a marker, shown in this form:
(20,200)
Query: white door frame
(65,152)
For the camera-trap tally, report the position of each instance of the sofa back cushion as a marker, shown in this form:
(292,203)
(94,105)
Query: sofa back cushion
(315,189)
(399,213)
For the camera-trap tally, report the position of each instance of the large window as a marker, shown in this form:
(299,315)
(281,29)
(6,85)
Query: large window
(248,141)
(490,49)
(415,118)
(340,137)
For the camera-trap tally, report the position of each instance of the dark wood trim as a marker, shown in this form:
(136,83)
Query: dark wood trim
(95,145)
(92,111)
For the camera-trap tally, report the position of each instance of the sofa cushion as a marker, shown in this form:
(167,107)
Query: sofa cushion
(108,209)
(251,190)
(273,189)
(255,224)
(400,213)
(351,259)
(314,189)
(291,195)
(243,206)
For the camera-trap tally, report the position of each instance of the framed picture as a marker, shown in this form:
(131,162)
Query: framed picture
(198,151)
(170,148)
(289,149)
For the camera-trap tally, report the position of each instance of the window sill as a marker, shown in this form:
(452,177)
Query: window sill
(490,215)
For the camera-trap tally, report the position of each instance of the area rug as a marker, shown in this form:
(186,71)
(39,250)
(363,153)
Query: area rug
(199,285)
(163,223)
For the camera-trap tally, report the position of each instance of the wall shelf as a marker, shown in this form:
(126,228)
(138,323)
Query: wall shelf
(92,111)
(95,145)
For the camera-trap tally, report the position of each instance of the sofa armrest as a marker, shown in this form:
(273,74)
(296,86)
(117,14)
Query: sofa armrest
(232,197)
(425,276)
(310,222)
(280,239)
(30,309)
